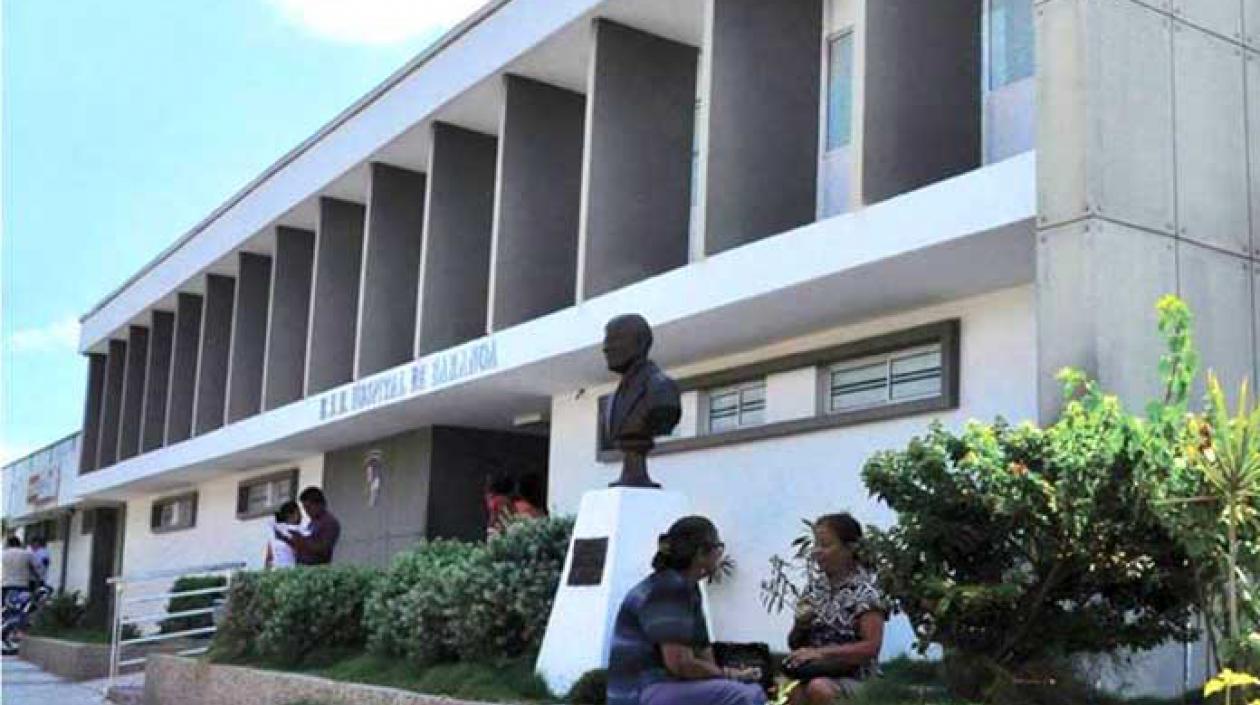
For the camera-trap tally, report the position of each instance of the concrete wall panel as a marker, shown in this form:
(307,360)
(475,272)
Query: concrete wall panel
(335,296)
(1255,337)
(157,381)
(391,266)
(1221,16)
(1217,287)
(133,392)
(534,260)
(92,399)
(763,124)
(458,229)
(637,209)
(289,321)
(1131,143)
(249,336)
(1251,22)
(1212,198)
(1098,316)
(1253,141)
(922,95)
(111,405)
(210,402)
(1062,143)
(187,348)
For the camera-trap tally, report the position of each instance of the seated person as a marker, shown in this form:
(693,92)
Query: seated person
(661,653)
(840,616)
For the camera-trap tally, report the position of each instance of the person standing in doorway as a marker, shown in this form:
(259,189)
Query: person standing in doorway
(322,532)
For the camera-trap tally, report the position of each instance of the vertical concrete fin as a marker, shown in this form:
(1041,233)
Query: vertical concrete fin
(133,392)
(210,403)
(289,321)
(184,354)
(922,101)
(157,381)
(763,120)
(458,230)
(534,256)
(391,266)
(636,211)
(249,336)
(335,297)
(111,405)
(92,400)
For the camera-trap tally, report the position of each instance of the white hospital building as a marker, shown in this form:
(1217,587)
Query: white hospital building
(843,218)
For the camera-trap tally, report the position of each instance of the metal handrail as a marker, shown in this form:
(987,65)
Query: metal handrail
(121,585)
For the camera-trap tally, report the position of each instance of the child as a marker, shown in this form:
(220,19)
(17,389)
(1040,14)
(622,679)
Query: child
(288,521)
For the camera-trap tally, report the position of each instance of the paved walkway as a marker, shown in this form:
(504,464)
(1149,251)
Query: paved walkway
(24,683)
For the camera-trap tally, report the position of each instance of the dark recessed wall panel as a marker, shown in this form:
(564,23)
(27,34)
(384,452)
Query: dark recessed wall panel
(249,336)
(638,196)
(111,405)
(763,120)
(335,301)
(540,187)
(216,344)
(157,381)
(456,277)
(187,348)
(922,98)
(391,268)
(290,316)
(92,411)
(133,392)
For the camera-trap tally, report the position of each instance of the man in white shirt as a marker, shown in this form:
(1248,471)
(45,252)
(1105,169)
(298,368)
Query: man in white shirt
(19,567)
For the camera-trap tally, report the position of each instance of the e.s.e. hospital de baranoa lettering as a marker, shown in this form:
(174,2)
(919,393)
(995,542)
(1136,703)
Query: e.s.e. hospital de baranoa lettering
(418,377)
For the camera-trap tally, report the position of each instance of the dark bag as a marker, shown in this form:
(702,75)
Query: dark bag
(829,667)
(755,655)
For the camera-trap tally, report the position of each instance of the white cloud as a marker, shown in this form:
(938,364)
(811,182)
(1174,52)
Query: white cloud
(60,336)
(376,21)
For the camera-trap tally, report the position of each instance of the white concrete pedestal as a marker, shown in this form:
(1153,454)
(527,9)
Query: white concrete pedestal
(580,628)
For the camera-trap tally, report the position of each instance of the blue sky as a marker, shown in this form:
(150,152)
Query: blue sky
(126,122)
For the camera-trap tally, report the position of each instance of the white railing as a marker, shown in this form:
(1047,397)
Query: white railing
(125,587)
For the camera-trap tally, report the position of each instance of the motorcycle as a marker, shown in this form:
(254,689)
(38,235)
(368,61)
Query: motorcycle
(19,605)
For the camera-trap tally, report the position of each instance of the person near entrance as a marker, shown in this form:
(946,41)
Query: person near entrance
(322,532)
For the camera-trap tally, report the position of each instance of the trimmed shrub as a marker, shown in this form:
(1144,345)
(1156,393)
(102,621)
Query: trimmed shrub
(411,606)
(191,583)
(62,612)
(284,616)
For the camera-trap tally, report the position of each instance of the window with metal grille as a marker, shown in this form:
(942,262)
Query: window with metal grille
(263,495)
(174,513)
(736,406)
(891,378)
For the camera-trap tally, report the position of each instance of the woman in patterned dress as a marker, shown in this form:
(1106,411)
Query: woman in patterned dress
(839,617)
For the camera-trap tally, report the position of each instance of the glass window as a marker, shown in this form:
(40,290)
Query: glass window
(264,495)
(840,91)
(174,513)
(737,406)
(899,376)
(1011,36)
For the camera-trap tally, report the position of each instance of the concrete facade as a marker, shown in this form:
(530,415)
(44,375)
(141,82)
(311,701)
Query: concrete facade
(537,204)
(111,404)
(157,381)
(458,233)
(287,326)
(636,207)
(249,336)
(763,103)
(209,405)
(133,392)
(92,401)
(334,295)
(391,264)
(1145,161)
(186,350)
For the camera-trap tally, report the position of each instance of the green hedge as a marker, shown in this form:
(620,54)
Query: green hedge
(442,601)
(190,583)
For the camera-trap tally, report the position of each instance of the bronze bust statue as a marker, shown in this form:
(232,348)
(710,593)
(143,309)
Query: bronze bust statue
(645,404)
